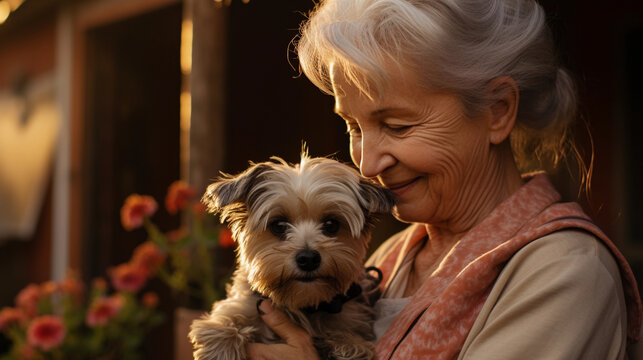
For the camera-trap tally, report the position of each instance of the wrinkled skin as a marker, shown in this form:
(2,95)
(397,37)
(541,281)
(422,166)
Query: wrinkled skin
(422,147)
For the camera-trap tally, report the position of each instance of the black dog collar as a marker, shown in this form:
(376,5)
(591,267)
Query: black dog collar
(335,305)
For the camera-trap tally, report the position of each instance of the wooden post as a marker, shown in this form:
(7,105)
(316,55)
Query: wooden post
(207,81)
(202,114)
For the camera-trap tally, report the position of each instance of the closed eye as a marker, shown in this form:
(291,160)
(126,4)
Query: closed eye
(398,129)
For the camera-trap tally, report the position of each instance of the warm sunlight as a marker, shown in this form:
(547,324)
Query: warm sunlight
(5,10)
(186,47)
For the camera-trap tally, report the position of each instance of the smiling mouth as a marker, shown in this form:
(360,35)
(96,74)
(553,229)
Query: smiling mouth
(400,186)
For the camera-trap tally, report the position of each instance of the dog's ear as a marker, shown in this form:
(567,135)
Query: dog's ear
(233,189)
(374,198)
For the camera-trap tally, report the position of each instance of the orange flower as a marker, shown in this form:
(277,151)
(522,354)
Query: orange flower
(225,238)
(10,316)
(128,277)
(150,300)
(102,310)
(48,288)
(46,332)
(178,196)
(199,209)
(137,207)
(148,256)
(27,299)
(71,286)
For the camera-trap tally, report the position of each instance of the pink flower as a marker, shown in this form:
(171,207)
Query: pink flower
(148,256)
(118,299)
(102,310)
(225,238)
(27,299)
(46,332)
(137,207)
(150,300)
(178,196)
(9,316)
(128,277)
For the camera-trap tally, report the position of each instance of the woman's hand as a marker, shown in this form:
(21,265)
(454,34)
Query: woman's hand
(298,344)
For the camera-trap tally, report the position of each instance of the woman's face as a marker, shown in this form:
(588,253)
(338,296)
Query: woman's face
(418,144)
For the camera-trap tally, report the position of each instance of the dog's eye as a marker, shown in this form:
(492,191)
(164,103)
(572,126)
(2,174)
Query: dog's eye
(278,227)
(330,227)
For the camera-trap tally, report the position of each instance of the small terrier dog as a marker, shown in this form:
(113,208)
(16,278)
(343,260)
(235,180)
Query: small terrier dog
(303,233)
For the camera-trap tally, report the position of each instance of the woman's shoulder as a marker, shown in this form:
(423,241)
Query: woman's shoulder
(564,248)
(568,267)
(563,290)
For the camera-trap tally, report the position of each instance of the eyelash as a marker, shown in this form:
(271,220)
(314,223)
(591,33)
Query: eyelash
(398,129)
(352,129)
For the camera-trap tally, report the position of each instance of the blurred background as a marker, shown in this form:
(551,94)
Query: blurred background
(100,99)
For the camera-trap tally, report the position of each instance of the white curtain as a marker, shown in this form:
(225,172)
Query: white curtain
(29,128)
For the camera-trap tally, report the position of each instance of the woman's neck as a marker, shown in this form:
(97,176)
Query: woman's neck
(487,187)
(501,183)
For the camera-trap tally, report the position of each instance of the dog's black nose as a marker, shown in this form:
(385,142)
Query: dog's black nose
(308,260)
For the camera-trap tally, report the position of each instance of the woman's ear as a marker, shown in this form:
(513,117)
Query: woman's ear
(504,96)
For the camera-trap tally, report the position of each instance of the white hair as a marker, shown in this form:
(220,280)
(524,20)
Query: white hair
(455,46)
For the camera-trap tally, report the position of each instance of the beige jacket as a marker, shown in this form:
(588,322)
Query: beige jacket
(522,284)
(560,297)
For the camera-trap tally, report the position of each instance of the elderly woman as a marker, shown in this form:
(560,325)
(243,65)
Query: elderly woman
(447,102)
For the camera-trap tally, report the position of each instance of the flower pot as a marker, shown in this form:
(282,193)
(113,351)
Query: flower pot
(183,318)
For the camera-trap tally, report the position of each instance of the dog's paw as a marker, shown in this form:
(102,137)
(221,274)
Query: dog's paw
(349,348)
(215,341)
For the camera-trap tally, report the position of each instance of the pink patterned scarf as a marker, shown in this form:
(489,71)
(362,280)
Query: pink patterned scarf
(439,316)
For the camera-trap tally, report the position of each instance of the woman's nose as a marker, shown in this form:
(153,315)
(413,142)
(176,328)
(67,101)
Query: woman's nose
(375,157)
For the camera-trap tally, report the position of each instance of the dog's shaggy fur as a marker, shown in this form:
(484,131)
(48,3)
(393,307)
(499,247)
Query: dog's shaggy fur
(303,233)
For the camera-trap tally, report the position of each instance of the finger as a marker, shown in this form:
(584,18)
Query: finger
(282,325)
(258,351)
